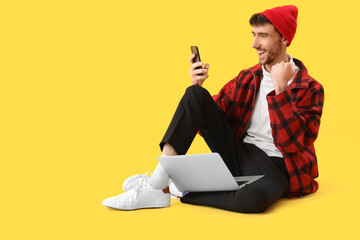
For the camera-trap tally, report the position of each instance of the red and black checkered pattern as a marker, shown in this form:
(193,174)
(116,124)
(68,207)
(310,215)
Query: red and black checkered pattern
(294,118)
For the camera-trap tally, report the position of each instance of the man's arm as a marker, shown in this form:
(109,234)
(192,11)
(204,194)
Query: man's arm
(296,125)
(225,97)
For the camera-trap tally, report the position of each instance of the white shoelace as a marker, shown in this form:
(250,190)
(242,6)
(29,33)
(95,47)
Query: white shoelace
(141,182)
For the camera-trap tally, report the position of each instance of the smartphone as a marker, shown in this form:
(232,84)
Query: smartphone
(194,49)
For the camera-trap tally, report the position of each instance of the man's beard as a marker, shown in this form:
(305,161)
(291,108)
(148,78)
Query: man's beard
(271,56)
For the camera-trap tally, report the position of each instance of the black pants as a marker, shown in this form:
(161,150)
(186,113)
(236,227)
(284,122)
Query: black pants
(197,111)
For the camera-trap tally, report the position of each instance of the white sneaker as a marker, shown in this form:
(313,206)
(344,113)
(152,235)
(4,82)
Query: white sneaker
(132,181)
(141,195)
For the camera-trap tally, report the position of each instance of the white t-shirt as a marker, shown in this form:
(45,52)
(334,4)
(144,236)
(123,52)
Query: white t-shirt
(259,130)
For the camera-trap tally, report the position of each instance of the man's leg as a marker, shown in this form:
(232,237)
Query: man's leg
(159,179)
(143,191)
(168,150)
(198,112)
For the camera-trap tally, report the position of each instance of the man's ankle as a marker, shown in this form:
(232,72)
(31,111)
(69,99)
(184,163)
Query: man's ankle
(166,190)
(159,179)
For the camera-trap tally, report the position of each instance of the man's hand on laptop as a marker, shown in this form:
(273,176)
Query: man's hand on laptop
(195,78)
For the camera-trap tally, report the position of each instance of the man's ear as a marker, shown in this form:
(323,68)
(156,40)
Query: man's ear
(284,41)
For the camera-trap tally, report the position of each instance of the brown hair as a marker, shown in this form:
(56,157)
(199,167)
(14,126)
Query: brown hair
(259,19)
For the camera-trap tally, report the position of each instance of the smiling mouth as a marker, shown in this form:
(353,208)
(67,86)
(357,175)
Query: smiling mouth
(261,53)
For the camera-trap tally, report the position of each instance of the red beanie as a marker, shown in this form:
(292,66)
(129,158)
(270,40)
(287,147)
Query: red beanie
(284,19)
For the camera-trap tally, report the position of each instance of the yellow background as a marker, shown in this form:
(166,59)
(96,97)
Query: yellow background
(88,89)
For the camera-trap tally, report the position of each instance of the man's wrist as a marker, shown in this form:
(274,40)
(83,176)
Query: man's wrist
(280,89)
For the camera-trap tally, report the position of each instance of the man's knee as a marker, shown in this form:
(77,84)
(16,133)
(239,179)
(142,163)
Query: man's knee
(198,91)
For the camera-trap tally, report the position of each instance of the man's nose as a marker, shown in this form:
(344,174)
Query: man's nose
(255,43)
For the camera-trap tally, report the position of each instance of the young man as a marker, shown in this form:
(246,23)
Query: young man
(262,122)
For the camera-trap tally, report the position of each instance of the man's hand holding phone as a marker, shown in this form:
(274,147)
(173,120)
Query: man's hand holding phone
(196,69)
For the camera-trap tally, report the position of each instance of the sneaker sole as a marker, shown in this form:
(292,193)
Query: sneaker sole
(134,207)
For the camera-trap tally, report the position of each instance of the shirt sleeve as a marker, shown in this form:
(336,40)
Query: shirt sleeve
(226,95)
(295,125)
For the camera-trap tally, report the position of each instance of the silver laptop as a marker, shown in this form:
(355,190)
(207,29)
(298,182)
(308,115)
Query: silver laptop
(202,173)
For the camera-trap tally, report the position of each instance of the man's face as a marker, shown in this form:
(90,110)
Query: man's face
(269,44)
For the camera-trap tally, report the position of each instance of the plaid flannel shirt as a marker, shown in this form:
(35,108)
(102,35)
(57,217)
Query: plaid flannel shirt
(294,119)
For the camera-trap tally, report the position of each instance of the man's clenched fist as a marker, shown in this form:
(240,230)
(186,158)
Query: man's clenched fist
(281,73)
